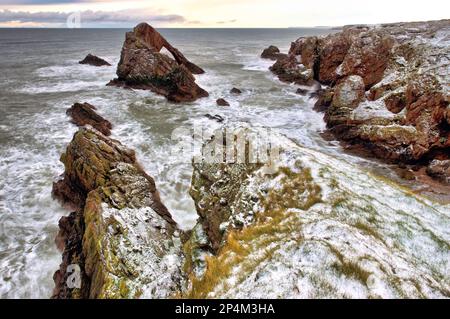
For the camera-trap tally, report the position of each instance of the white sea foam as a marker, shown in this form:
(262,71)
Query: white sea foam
(142,121)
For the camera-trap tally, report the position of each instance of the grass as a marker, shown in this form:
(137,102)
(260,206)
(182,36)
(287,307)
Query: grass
(238,252)
(353,270)
(273,227)
(368,230)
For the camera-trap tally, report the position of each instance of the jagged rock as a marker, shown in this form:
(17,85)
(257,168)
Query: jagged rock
(94,61)
(306,48)
(222,102)
(121,236)
(272,53)
(142,66)
(440,170)
(311,220)
(290,70)
(403,116)
(84,114)
(235,91)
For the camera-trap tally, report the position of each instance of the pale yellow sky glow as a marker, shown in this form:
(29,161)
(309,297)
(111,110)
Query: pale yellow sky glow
(237,13)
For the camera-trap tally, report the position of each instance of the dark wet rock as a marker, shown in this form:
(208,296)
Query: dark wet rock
(84,114)
(222,102)
(387,86)
(235,91)
(94,61)
(302,91)
(216,118)
(324,99)
(143,66)
(440,170)
(272,53)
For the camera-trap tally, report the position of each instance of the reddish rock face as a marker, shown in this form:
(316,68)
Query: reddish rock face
(142,66)
(84,114)
(152,38)
(368,57)
(332,52)
(307,49)
(404,67)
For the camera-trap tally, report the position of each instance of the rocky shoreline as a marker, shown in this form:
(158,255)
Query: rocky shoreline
(383,89)
(302,219)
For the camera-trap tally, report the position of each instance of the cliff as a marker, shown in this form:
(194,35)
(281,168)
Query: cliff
(385,88)
(309,227)
(142,66)
(121,236)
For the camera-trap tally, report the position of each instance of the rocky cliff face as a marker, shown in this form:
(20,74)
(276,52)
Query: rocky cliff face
(386,86)
(142,66)
(310,228)
(121,236)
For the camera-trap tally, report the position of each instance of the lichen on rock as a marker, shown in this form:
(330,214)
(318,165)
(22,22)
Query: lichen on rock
(126,243)
(314,229)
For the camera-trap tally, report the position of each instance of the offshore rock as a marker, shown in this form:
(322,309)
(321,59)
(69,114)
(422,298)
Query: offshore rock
(222,102)
(272,53)
(142,66)
(94,61)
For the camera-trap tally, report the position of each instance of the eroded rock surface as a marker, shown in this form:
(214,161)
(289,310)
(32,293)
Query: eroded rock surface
(122,238)
(398,108)
(311,225)
(143,66)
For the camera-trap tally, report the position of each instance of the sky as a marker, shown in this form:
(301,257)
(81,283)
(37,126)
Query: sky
(216,13)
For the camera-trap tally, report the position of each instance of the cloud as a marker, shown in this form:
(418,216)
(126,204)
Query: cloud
(38,2)
(226,22)
(97,17)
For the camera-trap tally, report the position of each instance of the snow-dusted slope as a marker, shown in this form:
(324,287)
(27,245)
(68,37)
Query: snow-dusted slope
(316,228)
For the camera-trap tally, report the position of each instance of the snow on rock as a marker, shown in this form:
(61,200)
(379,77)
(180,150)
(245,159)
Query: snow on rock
(315,227)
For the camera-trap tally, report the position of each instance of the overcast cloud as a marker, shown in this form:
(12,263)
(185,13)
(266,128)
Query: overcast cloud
(88,16)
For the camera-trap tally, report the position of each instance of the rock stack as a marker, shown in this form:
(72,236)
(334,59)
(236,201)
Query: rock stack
(143,66)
